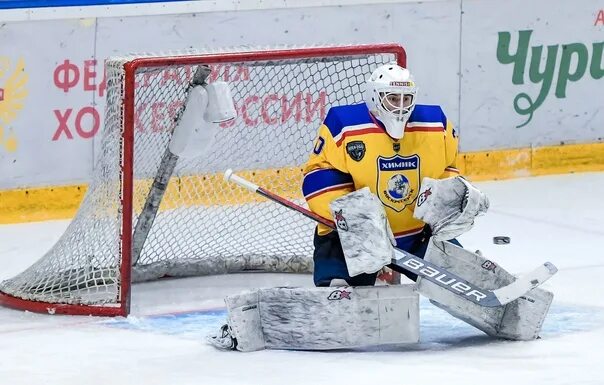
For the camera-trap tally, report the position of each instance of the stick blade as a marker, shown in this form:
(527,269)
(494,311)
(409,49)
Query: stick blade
(525,283)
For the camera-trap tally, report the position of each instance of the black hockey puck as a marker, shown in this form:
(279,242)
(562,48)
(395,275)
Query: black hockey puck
(501,240)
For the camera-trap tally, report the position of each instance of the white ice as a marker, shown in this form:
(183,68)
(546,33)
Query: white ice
(553,218)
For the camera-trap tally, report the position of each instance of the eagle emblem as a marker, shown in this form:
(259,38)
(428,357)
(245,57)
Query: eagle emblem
(12,97)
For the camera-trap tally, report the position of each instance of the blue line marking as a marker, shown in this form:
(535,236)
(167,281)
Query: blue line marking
(196,324)
(13,4)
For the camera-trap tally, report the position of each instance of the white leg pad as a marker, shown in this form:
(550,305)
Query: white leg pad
(518,320)
(324,318)
(244,320)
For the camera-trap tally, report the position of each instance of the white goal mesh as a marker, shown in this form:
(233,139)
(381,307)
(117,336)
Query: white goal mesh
(204,226)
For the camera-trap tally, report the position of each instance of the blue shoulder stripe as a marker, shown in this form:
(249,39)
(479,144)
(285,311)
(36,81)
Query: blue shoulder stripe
(339,117)
(322,180)
(428,113)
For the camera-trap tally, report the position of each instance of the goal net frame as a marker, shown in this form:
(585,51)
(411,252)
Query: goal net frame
(121,306)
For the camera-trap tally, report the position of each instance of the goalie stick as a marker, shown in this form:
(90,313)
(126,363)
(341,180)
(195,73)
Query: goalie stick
(405,261)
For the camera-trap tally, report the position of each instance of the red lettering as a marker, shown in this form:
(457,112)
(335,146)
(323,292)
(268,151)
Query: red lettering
(246,118)
(214,72)
(600,18)
(138,124)
(96,122)
(242,74)
(188,73)
(146,81)
(89,75)
(66,75)
(103,85)
(272,109)
(264,109)
(295,104)
(157,116)
(311,107)
(170,75)
(173,109)
(224,72)
(83,113)
(62,118)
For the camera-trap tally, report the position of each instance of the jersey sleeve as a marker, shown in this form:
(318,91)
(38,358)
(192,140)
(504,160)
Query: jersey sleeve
(325,174)
(451,149)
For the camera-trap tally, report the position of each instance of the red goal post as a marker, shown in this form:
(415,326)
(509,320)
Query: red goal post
(203,226)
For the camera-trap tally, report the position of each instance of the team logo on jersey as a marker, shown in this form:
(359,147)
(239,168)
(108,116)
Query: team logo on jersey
(398,180)
(356,150)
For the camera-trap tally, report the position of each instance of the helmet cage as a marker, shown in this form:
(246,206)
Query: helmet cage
(398,111)
(382,100)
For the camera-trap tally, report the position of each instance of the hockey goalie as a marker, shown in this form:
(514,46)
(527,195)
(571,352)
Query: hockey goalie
(384,172)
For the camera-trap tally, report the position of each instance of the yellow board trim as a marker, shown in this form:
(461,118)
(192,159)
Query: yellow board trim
(515,163)
(40,204)
(46,203)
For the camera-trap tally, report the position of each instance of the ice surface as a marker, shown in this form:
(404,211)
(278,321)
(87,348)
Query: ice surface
(548,219)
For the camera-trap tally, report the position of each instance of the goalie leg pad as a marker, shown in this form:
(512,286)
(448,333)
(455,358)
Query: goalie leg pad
(518,320)
(324,318)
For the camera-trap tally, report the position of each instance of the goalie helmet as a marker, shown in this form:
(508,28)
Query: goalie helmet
(390,94)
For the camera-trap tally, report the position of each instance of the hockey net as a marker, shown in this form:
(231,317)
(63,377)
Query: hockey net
(203,225)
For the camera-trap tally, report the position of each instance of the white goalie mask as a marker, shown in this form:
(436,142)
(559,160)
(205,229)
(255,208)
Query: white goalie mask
(390,95)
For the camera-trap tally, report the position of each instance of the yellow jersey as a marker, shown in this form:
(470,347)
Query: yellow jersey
(353,150)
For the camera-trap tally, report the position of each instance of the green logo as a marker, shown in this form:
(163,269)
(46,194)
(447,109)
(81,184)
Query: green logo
(572,66)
